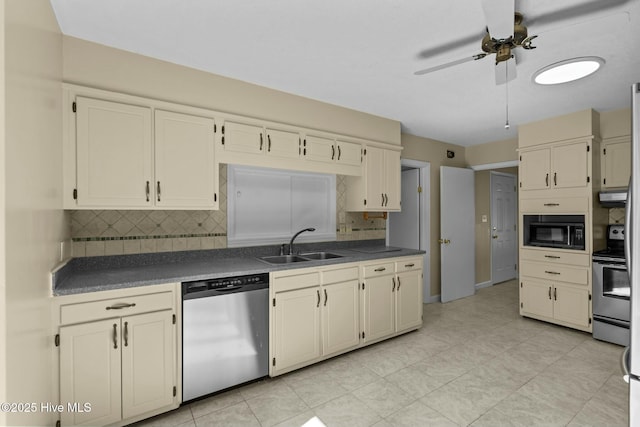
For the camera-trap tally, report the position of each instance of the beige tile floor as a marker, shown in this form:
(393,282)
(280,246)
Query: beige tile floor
(475,362)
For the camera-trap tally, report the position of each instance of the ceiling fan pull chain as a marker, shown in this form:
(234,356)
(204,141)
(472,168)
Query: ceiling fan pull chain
(506,79)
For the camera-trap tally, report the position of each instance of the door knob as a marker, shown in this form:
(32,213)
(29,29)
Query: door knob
(445,241)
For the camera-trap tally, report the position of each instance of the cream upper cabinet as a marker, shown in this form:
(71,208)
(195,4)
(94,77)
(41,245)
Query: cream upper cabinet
(284,144)
(255,139)
(185,168)
(379,187)
(114,154)
(329,150)
(616,162)
(557,166)
(125,159)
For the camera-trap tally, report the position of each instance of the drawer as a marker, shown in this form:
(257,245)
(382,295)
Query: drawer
(297,281)
(115,307)
(555,272)
(555,257)
(578,205)
(408,264)
(340,275)
(379,269)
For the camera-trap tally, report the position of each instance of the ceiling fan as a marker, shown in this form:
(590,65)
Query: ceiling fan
(505,31)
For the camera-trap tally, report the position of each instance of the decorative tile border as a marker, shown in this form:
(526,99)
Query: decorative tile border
(166,236)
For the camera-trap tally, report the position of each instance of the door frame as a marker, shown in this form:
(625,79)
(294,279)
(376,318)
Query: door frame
(515,219)
(424,223)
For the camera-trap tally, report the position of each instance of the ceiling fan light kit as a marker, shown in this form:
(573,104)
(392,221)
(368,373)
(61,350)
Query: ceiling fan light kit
(568,70)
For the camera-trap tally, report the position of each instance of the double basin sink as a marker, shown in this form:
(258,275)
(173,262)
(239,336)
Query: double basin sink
(288,259)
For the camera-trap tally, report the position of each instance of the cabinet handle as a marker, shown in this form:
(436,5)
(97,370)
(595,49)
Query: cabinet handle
(546,180)
(552,256)
(318,303)
(552,272)
(333,152)
(409,265)
(126,334)
(549,292)
(552,204)
(261,141)
(115,335)
(339,152)
(398,283)
(120,306)
(555,178)
(386,199)
(269,143)
(393,280)
(326,297)
(148,189)
(159,192)
(382,195)
(555,294)
(380,269)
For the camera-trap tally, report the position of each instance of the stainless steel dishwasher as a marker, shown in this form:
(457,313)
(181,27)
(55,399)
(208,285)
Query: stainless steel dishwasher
(225,333)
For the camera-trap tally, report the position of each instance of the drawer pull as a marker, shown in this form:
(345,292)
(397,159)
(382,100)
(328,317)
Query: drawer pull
(121,305)
(409,265)
(552,256)
(552,272)
(380,269)
(552,204)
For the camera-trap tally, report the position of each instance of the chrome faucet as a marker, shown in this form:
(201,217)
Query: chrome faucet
(296,235)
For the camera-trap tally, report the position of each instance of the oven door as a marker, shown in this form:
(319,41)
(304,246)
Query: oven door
(611,291)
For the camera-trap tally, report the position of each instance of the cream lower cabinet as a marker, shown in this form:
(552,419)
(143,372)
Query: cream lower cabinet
(315,314)
(557,293)
(392,298)
(124,366)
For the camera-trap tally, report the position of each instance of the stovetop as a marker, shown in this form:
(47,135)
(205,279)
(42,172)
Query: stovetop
(610,253)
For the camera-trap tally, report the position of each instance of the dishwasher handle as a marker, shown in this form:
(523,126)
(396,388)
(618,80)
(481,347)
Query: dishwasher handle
(228,289)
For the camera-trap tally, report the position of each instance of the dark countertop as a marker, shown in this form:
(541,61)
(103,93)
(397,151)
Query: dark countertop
(81,275)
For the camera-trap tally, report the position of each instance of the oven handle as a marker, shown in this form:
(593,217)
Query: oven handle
(614,266)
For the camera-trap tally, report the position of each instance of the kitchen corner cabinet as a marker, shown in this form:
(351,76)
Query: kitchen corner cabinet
(556,166)
(119,355)
(616,162)
(315,314)
(378,189)
(131,156)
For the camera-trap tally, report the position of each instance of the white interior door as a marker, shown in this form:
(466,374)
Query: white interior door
(404,226)
(457,233)
(504,248)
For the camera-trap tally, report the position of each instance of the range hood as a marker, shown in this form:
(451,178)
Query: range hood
(615,198)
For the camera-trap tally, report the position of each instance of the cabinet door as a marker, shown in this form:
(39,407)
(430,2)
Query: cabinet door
(616,164)
(348,153)
(408,300)
(375,183)
(297,327)
(148,362)
(186,176)
(534,169)
(319,149)
(571,304)
(90,372)
(392,180)
(340,316)
(570,165)
(283,144)
(379,310)
(535,298)
(243,138)
(114,154)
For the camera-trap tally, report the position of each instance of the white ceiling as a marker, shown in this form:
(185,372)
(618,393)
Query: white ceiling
(362,54)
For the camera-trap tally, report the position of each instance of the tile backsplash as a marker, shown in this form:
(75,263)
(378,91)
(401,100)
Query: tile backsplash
(616,215)
(118,232)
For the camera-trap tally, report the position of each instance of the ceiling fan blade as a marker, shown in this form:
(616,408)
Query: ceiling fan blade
(506,71)
(573,12)
(499,16)
(450,64)
(455,44)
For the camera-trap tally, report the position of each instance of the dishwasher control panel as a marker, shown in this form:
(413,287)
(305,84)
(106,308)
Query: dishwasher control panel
(224,285)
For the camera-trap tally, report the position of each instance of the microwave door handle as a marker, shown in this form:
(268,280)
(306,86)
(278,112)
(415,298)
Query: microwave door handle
(627,227)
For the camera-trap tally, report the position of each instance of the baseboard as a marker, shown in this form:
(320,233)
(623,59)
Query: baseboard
(484,284)
(432,299)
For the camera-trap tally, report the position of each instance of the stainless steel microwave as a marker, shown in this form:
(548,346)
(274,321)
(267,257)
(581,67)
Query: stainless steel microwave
(554,231)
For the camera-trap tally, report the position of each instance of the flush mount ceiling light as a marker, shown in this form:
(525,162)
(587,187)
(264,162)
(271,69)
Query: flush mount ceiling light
(568,70)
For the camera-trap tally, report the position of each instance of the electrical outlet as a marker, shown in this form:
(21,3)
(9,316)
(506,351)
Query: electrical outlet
(484,218)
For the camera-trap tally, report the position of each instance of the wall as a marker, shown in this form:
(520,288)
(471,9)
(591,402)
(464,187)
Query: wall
(34,222)
(117,232)
(434,152)
(492,152)
(615,123)
(103,67)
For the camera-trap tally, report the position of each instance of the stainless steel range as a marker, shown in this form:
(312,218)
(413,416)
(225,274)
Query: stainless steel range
(611,290)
